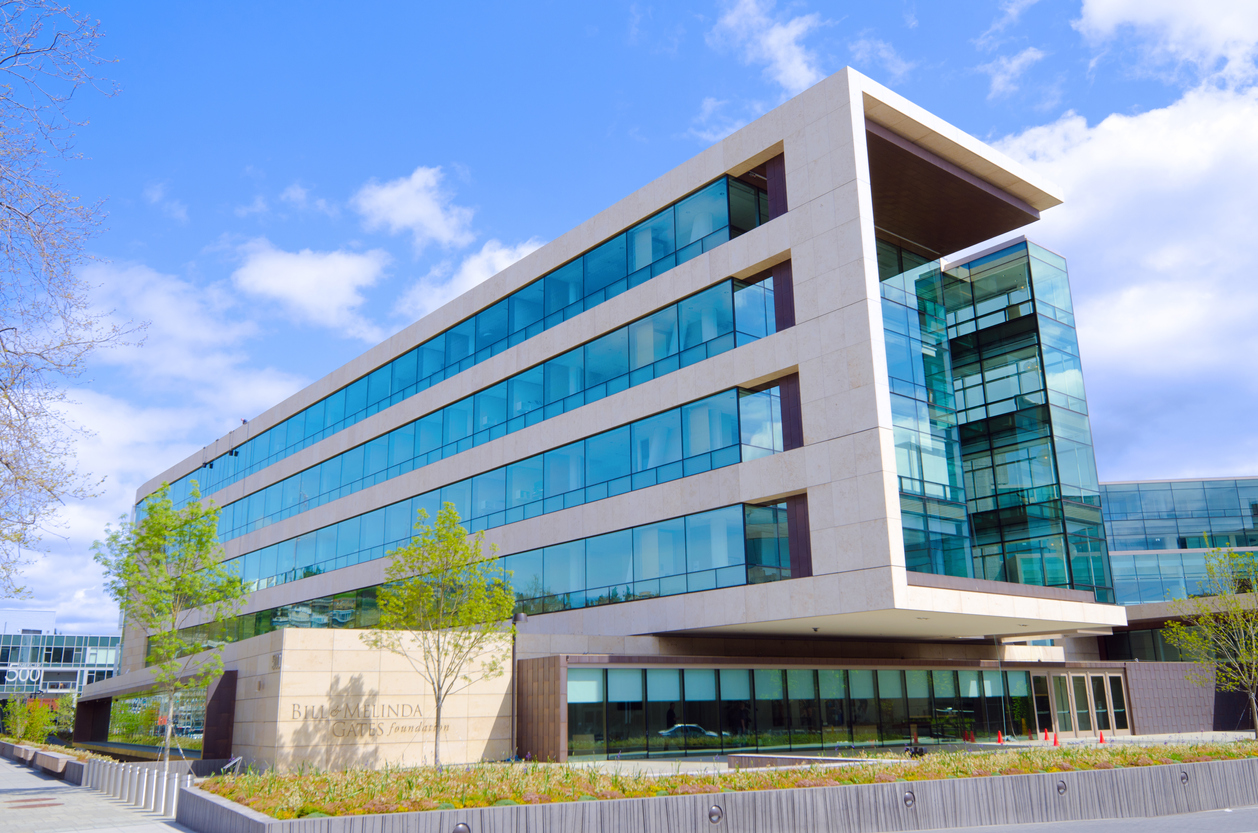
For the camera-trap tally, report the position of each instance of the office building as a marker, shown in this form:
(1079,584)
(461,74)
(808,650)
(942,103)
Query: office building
(788,449)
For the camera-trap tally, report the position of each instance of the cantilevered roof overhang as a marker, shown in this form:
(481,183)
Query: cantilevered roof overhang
(938,190)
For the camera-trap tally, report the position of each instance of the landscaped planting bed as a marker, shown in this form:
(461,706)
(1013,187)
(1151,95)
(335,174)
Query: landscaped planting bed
(306,792)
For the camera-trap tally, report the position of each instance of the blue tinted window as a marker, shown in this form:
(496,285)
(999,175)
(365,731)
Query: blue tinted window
(607,358)
(607,455)
(609,559)
(646,250)
(659,549)
(657,441)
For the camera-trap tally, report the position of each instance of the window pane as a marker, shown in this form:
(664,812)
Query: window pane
(653,338)
(657,440)
(564,286)
(651,240)
(564,375)
(564,568)
(706,316)
(609,559)
(565,469)
(700,215)
(527,306)
(659,549)
(524,391)
(607,455)
(711,423)
(524,482)
(607,357)
(714,539)
(605,265)
(491,325)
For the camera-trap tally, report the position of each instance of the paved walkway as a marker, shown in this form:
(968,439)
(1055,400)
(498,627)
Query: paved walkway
(32,801)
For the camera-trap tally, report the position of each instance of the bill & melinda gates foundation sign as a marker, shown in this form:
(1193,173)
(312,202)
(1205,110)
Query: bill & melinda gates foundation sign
(368,720)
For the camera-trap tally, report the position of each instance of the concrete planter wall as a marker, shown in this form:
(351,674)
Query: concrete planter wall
(1133,792)
(52,763)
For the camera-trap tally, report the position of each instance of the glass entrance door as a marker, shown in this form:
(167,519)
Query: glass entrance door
(1084,705)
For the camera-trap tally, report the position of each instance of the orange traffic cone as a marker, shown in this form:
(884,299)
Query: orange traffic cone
(1102,737)
(1000,738)
(1045,734)
(1055,743)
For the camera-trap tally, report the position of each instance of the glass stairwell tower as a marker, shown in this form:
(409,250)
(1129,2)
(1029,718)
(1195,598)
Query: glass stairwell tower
(993,447)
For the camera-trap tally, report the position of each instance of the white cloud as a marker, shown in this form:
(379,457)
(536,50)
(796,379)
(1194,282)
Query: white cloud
(1010,12)
(155,194)
(258,206)
(322,288)
(713,123)
(193,345)
(418,204)
(1218,38)
(192,379)
(439,287)
(1005,72)
(747,26)
(1158,214)
(299,197)
(870,50)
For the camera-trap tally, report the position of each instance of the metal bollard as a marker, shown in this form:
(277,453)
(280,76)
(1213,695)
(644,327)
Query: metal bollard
(108,783)
(115,773)
(141,786)
(124,775)
(88,771)
(132,784)
(159,794)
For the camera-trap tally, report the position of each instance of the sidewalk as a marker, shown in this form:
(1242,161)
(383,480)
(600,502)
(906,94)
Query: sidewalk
(32,801)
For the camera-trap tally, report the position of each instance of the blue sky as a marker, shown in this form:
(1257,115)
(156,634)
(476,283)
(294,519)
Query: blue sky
(289,182)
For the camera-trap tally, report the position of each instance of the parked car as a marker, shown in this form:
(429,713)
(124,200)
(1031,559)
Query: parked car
(688,730)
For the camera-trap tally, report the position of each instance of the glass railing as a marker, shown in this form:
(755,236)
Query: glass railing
(682,231)
(720,430)
(703,325)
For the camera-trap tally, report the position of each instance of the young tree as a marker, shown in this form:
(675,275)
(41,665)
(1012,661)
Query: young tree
(161,570)
(446,608)
(1220,630)
(48,327)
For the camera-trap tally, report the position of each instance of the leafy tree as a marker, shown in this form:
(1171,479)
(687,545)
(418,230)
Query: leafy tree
(446,608)
(1220,630)
(63,714)
(28,720)
(48,327)
(162,570)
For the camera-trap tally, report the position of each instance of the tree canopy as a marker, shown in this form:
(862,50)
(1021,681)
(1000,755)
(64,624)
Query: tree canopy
(1219,630)
(446,608)
(166,573)
(48,326)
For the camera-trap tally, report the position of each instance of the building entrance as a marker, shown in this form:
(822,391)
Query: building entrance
(1081,705)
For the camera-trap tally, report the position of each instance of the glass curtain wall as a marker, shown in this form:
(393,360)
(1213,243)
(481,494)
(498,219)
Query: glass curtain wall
(696,224)
(680,555)
(703,325)
(924,416)
(718,431)
(1007,351)
(1158,533)
(664,712)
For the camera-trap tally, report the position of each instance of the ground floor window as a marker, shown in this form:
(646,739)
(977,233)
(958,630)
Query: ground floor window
(646,712)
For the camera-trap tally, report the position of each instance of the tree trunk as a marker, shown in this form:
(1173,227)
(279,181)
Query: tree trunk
(170,728)
(1253,712)
(436,737)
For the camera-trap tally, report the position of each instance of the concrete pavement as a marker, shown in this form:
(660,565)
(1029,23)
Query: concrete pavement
(33,801)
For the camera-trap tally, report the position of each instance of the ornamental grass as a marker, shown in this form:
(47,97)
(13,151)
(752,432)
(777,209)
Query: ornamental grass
(308,792)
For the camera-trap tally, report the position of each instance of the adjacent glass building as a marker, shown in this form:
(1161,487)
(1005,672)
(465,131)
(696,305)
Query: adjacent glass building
(1159,532)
